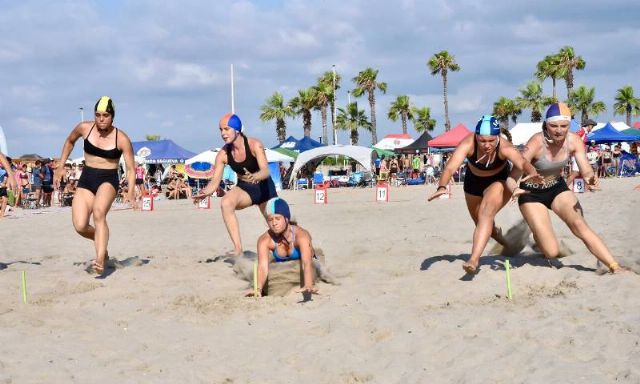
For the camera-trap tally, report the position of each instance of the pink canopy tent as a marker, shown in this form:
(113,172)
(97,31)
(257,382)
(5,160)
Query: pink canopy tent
(451,138)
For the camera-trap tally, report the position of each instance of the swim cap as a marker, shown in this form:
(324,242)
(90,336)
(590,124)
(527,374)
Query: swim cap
(105,104)
(277,206)
(558,112)
(488,125)
(232,121)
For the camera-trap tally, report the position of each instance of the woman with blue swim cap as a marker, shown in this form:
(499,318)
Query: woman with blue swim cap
(284,242)
(246,156)
(488,157)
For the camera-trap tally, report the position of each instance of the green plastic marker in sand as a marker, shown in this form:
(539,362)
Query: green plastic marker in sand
(255,279)
(508,269)
(24,287)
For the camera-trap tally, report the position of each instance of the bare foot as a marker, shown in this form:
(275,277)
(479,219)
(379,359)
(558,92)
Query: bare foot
(470,268)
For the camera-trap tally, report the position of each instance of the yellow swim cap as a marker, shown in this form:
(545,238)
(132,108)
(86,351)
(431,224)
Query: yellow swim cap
(105,104)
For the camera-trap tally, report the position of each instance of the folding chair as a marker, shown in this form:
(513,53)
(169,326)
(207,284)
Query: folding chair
(318,179)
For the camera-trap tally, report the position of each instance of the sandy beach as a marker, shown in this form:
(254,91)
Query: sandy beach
(404,311)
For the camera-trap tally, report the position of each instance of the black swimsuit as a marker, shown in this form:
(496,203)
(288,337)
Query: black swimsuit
(92,178)
(260,192)
(475,185)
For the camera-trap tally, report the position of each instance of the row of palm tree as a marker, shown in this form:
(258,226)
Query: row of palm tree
(558,66)
(322,97)
(562,66)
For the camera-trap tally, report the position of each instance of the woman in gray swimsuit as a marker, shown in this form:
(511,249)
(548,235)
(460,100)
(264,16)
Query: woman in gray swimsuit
(550,151)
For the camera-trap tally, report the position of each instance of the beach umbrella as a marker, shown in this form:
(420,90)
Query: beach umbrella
(199,170)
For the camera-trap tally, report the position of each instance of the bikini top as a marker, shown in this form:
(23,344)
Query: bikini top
(250,162)
(547,167)
(295,254)
(91,149)
(482,162)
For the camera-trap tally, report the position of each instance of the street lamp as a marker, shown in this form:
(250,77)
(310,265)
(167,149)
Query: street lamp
(335,131)
(81,114)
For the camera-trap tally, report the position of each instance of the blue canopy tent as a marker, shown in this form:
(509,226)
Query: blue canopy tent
(304,144)
(608,134)
(161,151)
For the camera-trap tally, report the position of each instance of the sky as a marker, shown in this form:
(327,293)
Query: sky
(166,64)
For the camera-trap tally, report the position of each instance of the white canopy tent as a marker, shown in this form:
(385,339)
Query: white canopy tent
(3,143)
(522,132)
(360,154)
(618,125)
(393,141)
(209,156)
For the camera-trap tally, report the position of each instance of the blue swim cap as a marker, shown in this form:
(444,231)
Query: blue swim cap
(277,206)
(232,121)
(488,125)
(558,112)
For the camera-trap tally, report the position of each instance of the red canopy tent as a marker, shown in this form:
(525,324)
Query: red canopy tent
(451,138)
(636,124)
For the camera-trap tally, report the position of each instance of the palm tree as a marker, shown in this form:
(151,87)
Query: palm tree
(351,119)
(276,109)
(328,78)
(532,98)
(324,94)
(548,68)
(582,100)
(302,105)
(503,109)
(401,108)
(366,81)
(441,63)
(422,120)
(567,62)
(626,103)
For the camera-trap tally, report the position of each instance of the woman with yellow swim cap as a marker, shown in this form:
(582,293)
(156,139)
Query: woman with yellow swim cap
(97,187)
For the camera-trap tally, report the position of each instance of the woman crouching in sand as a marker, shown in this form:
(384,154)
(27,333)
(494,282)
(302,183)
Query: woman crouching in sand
(284,242)
(550,151)
(485,192)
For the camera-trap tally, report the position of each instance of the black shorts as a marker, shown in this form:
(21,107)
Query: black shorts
(92,178)
(259,193)
(47,188)
(3,192)
(139,181)
(475,185)
(543,194)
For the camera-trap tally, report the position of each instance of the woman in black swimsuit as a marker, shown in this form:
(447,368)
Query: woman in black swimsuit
(247,158)
(488,156)
(98,184)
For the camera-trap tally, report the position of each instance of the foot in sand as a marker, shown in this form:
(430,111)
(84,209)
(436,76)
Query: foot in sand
(471,268)
(514,240)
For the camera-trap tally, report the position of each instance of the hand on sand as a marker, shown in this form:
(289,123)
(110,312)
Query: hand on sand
(437,194)
(593,184)
(199,196)
(306,289)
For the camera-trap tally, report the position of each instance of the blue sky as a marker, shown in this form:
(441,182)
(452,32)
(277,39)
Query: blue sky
(166,64)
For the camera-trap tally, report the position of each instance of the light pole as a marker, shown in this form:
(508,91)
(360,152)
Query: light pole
(348,98)
(335,131)
(81,114)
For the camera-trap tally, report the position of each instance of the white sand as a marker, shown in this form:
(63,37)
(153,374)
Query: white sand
(402,313)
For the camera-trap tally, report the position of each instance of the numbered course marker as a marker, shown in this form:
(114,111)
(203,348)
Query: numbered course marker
(382,192)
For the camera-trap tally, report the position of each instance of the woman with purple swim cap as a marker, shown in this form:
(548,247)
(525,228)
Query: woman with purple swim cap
(550,151)
(246,156)
(488,157)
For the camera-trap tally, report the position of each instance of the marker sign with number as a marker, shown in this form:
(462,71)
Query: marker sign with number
(382,192)
(578,185)
(205,203)
(147,203)
(321,196)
